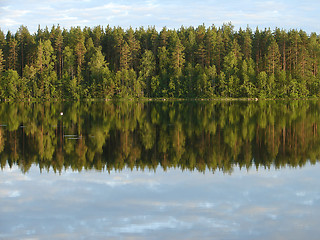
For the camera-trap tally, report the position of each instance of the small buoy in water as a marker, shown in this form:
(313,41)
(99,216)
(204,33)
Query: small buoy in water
(61,113)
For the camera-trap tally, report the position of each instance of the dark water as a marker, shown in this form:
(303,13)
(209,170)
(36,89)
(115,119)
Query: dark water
(160,170)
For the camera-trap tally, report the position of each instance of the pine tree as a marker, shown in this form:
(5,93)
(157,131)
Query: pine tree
(246,43)
(219,52)
(134,49)
(9,84)
(1,62)
(201,50)
(273,58)
(164,61)
(97,35)
(125,57)
(231,69)
(2,40)
(282,39)
(25,47)
(80,51)
(100,75)
(13,55)
(45,64)
(58,47)
(210,42)
(148,67)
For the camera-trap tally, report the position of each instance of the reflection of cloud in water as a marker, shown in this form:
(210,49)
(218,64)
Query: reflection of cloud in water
(159,205)
(14,194)
(167,223)
(113,180)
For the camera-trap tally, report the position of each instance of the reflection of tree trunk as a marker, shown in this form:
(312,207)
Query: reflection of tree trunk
(178,139)
(257,136)
(296,143)
(290,138)
(22,142)
(61,135)
(15,144)
(126,134)
(283,139)
(302,133)
(272,139)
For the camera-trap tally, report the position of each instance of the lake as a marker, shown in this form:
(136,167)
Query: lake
(160,170)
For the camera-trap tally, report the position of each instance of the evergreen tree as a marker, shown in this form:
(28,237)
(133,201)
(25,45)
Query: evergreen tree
(134,49)
(101,83)
(262,82)
(13,55)
(45,65)
(24,43)
(9,84)
(1,62)
(148,67)
(188,62)
(58,48)
(273,58)
(231,69)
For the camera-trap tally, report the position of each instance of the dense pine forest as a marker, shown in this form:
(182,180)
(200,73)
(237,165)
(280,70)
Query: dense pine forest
(202,62)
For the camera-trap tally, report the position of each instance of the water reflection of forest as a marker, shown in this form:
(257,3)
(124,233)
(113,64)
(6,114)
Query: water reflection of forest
(188,135)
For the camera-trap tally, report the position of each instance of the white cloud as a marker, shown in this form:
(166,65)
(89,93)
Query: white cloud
(172,14)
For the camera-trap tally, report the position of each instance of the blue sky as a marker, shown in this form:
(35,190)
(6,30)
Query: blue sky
(287,14)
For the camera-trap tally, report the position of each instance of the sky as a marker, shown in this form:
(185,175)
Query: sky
(173,204)
(285,14)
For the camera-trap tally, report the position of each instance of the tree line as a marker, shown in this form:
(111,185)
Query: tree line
(194,135)
(201,62)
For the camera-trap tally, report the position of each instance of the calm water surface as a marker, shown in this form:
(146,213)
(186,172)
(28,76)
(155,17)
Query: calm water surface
(154,170)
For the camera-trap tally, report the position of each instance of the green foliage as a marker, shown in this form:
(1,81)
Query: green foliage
(113,135)
(147,73)
(185,63)
(9,84)
(1,61)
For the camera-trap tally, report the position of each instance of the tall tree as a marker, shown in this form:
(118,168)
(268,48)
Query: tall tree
(200,47)
(231,69)
(177,60)
(45,65)
(294,42)
(134,49)
(246,43)
(219,52)
(97,35)
(164,63)
(1,61)
(9,84)
(100,74)
(2,41)
(125,56)
(282,39)
(273,57)
(210,42)
(58,48)
(69,62)
(13,54)
(25,47)
(148,67)
(80,51)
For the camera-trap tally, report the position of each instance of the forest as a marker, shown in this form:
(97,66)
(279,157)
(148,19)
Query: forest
(189,135)
(201,62)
